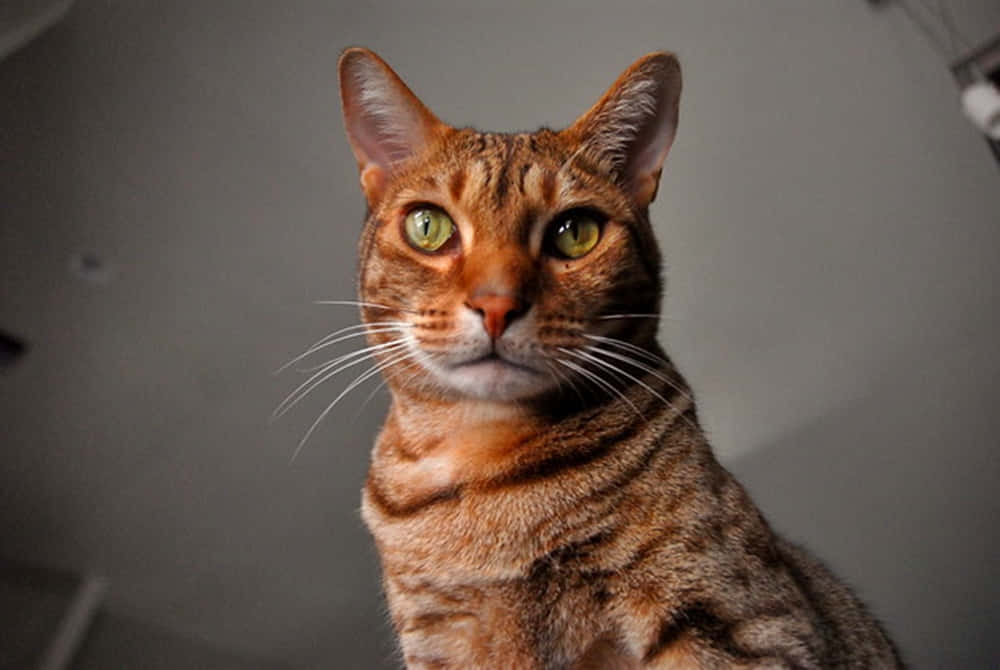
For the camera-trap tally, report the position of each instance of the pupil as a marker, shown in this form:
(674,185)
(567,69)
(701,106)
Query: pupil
(427,224)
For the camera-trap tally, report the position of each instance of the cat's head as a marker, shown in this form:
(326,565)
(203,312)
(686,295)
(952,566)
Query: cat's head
(494,264)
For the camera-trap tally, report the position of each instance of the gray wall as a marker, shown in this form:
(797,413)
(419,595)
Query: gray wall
(829,218)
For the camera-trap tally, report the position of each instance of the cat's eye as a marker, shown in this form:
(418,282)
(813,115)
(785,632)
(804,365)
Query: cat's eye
(574,233)
(428,228)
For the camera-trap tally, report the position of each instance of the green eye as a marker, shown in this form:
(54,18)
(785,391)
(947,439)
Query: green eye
(428,228)
(575,233)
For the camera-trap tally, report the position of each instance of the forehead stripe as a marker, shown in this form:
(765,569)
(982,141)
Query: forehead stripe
(456,185)
(549,188)
(520,178)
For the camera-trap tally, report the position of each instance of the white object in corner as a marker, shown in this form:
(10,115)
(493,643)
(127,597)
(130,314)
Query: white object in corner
(23,20)
(981,103)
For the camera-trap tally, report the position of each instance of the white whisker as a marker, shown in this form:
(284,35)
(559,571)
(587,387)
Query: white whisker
(628,346)
(628,316)
(367,374)
(329,370)
(639,381)
(616,369)
(387,377)
(601,382)
(642,366)
(361,303)
(560,378)
(320,343)
(346,337)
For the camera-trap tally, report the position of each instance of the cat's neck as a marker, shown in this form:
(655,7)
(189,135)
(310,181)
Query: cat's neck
(440,443)
(435,462)
(431,444)
(425,419)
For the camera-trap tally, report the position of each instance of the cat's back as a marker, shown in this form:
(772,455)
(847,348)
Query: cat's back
(853,637)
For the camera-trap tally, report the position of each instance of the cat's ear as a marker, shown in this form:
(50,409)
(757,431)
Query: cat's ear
(386,123)
(630,129)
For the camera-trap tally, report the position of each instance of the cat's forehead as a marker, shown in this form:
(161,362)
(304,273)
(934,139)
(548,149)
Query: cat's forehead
(509,177)
(495,171)
(542,146)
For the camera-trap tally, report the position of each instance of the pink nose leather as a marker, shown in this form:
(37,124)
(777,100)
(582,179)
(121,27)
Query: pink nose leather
(497,310)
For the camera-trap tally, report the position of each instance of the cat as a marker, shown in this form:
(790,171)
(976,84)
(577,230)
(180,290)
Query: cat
(541,494)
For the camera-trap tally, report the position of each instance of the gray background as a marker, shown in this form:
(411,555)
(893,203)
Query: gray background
(829,218)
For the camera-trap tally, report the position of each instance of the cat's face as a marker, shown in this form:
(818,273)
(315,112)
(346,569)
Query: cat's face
(494,264)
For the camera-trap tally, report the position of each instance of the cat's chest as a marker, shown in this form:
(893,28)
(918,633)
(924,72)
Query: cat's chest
(421,458)
(445,499)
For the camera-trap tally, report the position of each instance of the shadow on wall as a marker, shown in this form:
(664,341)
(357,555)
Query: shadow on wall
(912,524)
(120,642)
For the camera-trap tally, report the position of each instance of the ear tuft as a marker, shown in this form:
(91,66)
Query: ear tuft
(631,128)
(386,123)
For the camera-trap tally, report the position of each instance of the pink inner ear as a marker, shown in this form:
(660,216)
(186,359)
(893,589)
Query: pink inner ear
(653,143)
(630,130)
(386,123)
(382,125)
(654,130)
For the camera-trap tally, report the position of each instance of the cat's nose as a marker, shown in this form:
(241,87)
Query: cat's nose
(497,311)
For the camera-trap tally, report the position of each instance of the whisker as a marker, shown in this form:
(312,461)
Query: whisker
(318,344)
(643,367)
(638,316)
(355,356)
(360,379)
(555,374)
(346,337)
(628,316)
(362,352)
(641,383)
(382,384)
(622,344)
(601,382)
(318,347)
(560,378)
(362,303)
(329,370)
(361,326)
(616,369)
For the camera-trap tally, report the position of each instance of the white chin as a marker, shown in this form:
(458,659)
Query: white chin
(495,380)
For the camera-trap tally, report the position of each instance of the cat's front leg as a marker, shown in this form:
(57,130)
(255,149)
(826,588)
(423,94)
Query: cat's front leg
(456,627)
(697,637)
(439,639)
(456,640)
(696,654)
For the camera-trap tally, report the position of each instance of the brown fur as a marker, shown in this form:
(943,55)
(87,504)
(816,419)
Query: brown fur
(587,526)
